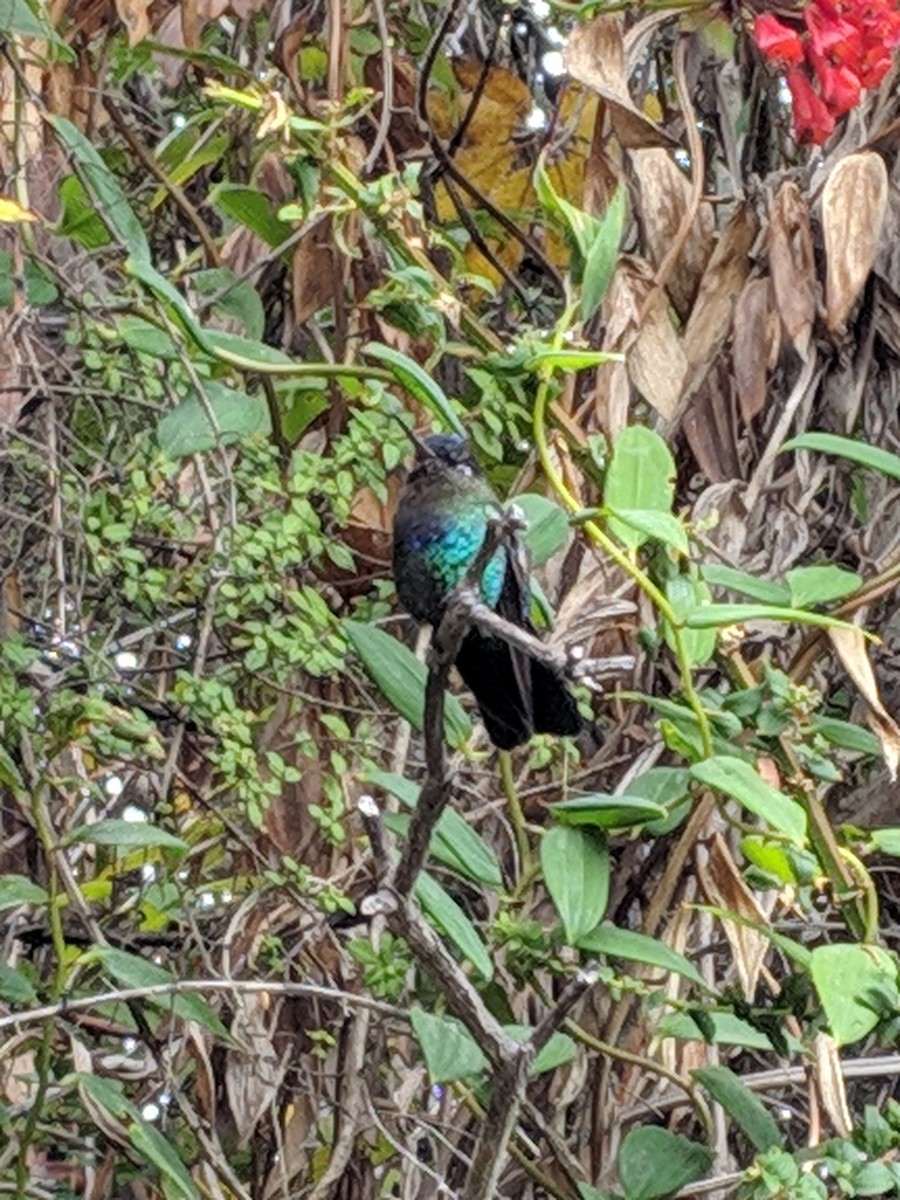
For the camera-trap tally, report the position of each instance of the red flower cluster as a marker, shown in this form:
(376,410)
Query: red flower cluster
(842,47)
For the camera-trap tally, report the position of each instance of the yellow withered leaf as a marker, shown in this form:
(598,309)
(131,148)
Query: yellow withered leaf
(498,153)
(12,213)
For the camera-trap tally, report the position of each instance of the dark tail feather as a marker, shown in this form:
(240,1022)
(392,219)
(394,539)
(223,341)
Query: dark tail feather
(555,710)
(489,669)
(499,679)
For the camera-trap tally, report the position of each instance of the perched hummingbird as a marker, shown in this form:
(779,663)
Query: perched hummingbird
(440,526)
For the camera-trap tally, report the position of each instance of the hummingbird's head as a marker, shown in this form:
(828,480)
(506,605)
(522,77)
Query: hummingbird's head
(440,453)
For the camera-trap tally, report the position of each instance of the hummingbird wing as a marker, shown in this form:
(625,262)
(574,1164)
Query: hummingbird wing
(498,674)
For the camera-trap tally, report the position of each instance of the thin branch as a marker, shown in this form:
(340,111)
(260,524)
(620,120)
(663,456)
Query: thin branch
(180,987)
(149,163)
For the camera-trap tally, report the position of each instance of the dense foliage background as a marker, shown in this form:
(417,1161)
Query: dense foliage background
(242,245)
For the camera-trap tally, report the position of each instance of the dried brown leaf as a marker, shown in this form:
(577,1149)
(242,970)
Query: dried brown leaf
(656,361)
(854,204)
(792,264)
(750,347)
(133,15)
(313,269)
(664,194)
(254,1073)
(724,887)
(851,650)
(595,56)
(723,280)
(830,1082)
(709,427)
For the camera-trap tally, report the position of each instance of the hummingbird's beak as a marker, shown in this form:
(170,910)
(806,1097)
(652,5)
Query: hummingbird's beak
(423,452)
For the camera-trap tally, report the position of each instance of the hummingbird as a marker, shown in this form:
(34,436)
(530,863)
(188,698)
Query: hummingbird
(440,526)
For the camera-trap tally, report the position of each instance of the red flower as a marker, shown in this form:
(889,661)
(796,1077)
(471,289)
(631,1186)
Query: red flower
(839,86)
(812,120)
(831,37)
(875,64)
(777,41)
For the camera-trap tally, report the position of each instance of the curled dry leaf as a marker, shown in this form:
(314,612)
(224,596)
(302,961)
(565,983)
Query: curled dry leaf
(854,204)
(724,886)
(654,359)
(709,426)
(253,1074)
(664,194)
(753,336)
(657,364)
(792,264)
(724,278)
(851,650)
(595,56)
(830,1082)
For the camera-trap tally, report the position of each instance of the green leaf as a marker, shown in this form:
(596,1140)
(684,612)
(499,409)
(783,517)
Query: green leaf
(607,812)
(849,979)
(715,615)
(160,1153)
(250,208)
(447,915)
(146,338)
(559,1050)
(109,1095)
(886,840)
(575,863)
(653,1162)
(820,585)
(417,382)
(14,987)
(238,298)
(16,889)
(771,857)
(79,219)
(688,596)
(726,1029)
(132,971)
(640,477)
(451,1053)
(16,17)
(569,360)
(746,1110)
(601,258)
(116,832)
(400,676)
(745,584)
(144,272)
(182,167)
(230,347)
(187,429)
(657,526)
(9,773)
(112,206)
(449,1050)
(638,947)
(846,735)
(582,227)
(454,842)
(405,790)
(668,787)
(858,452)
(738,779)
(548,526)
